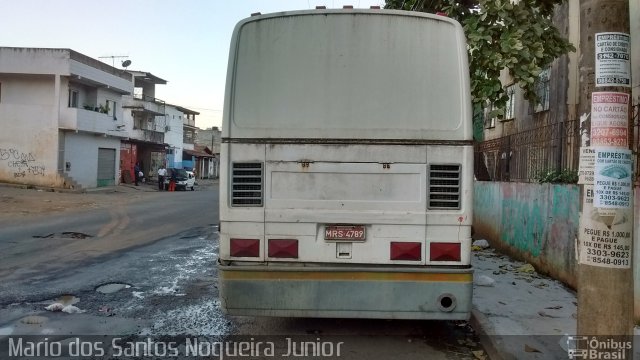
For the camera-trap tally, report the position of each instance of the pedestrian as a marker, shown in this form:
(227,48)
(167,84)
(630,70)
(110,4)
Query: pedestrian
(162,173)
(136,173)
(172,181)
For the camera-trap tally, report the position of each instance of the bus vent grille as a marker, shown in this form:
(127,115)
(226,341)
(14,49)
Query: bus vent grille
(444,186)
(246,184)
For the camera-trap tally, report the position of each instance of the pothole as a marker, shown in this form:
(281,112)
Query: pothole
(34,320)
(67,299)
(64,235)
(112,288)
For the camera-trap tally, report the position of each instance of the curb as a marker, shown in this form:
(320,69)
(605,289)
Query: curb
(42,188)
(482,326)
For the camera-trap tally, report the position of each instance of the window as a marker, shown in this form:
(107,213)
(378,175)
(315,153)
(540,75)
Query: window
(111,109)
(541,87)
(138,120)
(73,98)
(509,109)
(489,119)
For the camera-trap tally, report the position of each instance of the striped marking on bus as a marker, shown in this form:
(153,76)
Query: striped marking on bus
(344,275)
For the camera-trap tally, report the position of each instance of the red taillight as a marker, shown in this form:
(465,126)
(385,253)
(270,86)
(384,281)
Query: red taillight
(445,251)
(406,251)
(283,248)
(245,247)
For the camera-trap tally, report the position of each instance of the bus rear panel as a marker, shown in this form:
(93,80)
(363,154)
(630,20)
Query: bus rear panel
(347,167)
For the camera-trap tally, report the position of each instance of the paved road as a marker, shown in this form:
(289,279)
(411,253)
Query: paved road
(143,263)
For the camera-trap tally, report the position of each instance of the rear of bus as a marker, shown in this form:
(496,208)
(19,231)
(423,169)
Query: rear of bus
(347,167)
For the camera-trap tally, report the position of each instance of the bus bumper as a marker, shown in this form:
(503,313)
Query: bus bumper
(326,291)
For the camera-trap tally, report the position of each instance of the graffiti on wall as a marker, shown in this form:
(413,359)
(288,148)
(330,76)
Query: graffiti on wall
(22,164)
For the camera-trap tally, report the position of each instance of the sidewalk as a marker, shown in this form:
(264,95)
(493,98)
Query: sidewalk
(520,314)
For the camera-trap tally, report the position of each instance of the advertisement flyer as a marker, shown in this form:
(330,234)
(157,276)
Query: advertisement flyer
(612,59)
(612,178)
(586,166)
(609,119)
(604,236)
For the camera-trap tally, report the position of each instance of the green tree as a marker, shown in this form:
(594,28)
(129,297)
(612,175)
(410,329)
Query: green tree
(517,35)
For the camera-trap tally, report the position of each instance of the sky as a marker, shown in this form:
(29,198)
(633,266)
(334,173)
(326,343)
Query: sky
(185,42)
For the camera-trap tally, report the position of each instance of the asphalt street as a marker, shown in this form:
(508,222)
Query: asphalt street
(141,263)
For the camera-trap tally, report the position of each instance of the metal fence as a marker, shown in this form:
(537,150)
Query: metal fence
(523,156)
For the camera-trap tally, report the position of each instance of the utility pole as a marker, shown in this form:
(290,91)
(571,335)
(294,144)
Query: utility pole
(605,267)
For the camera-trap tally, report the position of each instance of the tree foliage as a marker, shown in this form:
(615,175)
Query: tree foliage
(517,35)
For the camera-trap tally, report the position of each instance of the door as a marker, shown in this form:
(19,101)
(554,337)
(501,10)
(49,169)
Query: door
(106,167)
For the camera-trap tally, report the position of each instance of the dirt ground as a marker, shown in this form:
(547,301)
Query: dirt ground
(16,201)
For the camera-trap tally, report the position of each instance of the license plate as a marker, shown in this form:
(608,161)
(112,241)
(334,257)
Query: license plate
(344,232)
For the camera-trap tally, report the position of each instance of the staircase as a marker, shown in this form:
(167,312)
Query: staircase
(69,182)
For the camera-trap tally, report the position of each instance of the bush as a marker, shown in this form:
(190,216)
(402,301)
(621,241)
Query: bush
(566,176)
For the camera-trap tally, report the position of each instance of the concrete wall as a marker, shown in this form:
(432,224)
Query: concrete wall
(536,223)
(29,136)
(81,151)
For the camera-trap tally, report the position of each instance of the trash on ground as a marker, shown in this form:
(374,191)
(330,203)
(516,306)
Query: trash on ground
(55,307)
(481,243)
(526,268)
(541,285)
(528,348)
(484,280)
(480,355)
(544,314)
(70,309)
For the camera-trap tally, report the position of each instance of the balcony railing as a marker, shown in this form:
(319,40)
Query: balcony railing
(153,136)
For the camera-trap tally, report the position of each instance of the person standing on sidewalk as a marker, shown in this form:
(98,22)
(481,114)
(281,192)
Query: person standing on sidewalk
(172,181)
(162,173)
(136,173)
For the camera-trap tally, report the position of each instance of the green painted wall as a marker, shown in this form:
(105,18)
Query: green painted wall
(536,223)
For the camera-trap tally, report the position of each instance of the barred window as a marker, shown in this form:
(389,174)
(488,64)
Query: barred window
(541,87)
(509,109)
(489,119)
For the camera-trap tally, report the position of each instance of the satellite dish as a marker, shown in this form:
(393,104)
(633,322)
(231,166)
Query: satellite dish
(126,63)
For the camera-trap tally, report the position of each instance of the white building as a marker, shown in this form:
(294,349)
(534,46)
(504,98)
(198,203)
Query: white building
(62,118)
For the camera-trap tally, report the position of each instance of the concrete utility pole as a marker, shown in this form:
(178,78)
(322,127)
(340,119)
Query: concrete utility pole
(605,269)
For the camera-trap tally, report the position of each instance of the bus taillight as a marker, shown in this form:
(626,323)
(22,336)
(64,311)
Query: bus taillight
(283,248)
(406,251)
(444,251)
(245,247)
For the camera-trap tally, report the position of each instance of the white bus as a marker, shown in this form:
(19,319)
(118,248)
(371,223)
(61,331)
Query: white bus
(347,167)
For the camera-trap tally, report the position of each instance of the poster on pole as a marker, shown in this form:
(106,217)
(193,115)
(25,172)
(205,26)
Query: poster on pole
(612,59)
(587,165)
(609,119)
(612,178)
(604,235)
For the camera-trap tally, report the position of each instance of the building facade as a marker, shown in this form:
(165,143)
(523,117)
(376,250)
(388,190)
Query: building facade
(62,118)
(71,121)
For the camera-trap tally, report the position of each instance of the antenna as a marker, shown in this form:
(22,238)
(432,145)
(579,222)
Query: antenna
(126,63)
(113,59)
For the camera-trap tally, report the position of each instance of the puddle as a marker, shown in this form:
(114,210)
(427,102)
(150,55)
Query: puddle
(111,288)
(67,300)
(6,331)
(34,320)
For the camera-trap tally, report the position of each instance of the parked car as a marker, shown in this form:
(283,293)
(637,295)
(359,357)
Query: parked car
(184,179)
